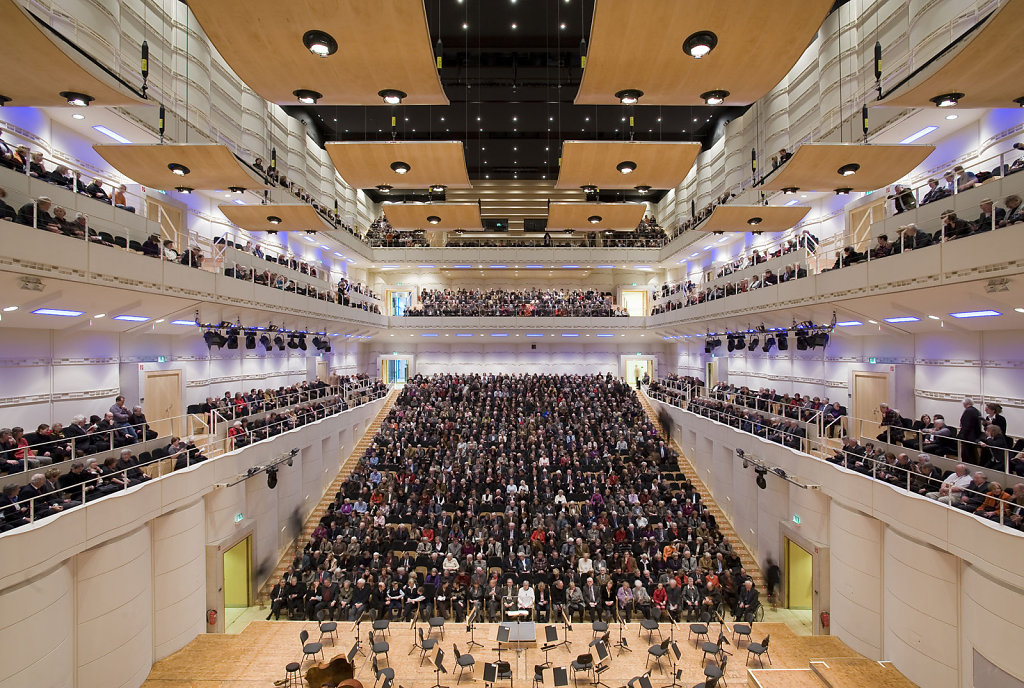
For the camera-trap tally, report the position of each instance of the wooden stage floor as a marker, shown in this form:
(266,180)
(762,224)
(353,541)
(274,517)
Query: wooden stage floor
(258,655)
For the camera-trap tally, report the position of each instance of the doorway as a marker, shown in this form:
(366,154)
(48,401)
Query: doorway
(323,371)
(237,580)
(169,217)
(634,301)
(710,373)
(394,370)
(860,220)
(799,568)
(398,302)
(162,393)
(869,391)
(636,368)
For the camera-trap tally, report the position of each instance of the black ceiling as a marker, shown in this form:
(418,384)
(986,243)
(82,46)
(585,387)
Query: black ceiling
(512,90)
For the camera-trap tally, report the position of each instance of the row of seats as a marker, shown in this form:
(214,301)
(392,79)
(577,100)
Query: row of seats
(515,303)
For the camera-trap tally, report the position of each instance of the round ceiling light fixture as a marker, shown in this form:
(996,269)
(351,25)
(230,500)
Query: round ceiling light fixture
(699,44)
(178,169)
(438,188)
(790,190)
(626,166)
(392,96)
(754,221)
(642,189)
(307,97)
(947,99)
(589,188)
(384,188)
(716,97)
(594,219)
(400,167)
(1019,101)
(849,169)
(76,99)
(319,43)
(433,219)
(4,100)
(843,191)
(629,96)
(184,189)
(273,219)
(236,189)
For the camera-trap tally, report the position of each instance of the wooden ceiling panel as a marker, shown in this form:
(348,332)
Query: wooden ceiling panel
(294,217)
(38,66)
(408,216)
(211,165)
(366,165)
(638,44)
(737,218)
(985,67)
(383,44)
(618,216)
(815,166)
(659,165)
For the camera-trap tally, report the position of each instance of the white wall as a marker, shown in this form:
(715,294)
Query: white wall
(910,580)
(52,375)
(93,596)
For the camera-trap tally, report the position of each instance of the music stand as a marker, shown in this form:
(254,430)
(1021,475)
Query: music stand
(560,677)
(359,643)
(352,654)
(671,628)
(503,636)
(603,662)
(677,673)
(550,642)
(471,629)
(567,628)
(491,674)
(622,644)
(439,668)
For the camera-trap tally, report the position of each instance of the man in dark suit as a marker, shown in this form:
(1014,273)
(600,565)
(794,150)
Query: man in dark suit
(970,431)
(911,239)
(294,595)
(37,490)
(592,599)
(990,217)
(1014,210)
(746,602)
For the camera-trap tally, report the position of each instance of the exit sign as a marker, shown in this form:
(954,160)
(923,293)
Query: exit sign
(872,360)
(796,519)
(239,516)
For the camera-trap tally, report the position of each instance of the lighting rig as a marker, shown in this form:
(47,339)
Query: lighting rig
(807,334)
(270,469)
(230,335)
(761,469)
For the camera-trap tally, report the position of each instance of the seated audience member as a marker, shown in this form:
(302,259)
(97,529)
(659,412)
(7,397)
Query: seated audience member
(184,453)
(994,446)
(44,442)
(13,514)
(882,247)
(132,470)
(112,436)
(121,199)
(935,192)
(994,505)
(151,246)
(66,228)
(6,153)
(6,212)
(952,486)
(23,452)
(972,496)
(168,251)
(95,190)
(903,198)
(926,476)
(35,166)
(940,439)
(79,482)
(1014,211)
(990,217)
(37,215)
(122,418)
(62,176)
(37,496)
(952,228)
(82,434)
(911,238)
(964,179)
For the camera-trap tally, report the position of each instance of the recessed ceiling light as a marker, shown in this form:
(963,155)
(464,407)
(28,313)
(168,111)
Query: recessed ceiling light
(716,97)
(400,167)
(699,44)
(976,314)
(629,96)
(178,169)
(848,169)
(392,96)
(8,309)
(594,219)
(952,115)
(790,190)
(78,115)
(754,221)
(919,134)
(642,189)
(433,219)
(307,96)
(58,312)
(515,26)
(273,219)
(384,188)
(843,191)
(626,166)
(947,99)
(319,43)
(76,99)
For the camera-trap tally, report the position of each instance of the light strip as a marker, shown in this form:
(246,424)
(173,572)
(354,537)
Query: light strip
(604,335)
(534,334)
(570,267)
(497,267)
(793,202)
(428,334)
(919,134)
(426,266)
(462,267)
(112,134)
(534,266)
(605,267)
(848,323)
(975,314)
(184,322)
(569,334)
(391,266)
(57,311)
(131,318)
(641,267)
(499,334)
(463,334)
(902,319)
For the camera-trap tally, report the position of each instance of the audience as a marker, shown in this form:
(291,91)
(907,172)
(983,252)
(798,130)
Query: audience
(527,303)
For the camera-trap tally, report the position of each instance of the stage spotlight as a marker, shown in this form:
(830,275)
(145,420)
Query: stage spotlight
(265,341)
(819,340)
(279,342)
(769,342)
(292,344)
(754,341)
(732,344)
(741,342)
(302,342)
(761,482)
(250,340)
(214,339)
(232,338)
(782,341)
(272,478)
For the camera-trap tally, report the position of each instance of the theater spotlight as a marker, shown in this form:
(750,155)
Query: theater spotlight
(801,340)
(302,342)
(214,339)
(741,342)
(754,341)
(265,341)
(782,341)
(732,344)
(761,482)
(819,340)
(769,342)
(292,344)
(279,342)
(272,478)
(232,338)
(250,340)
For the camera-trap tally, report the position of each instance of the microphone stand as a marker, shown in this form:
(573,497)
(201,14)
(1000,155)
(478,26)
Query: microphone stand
(621,644)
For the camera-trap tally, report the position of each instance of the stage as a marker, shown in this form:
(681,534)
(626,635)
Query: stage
(258,655)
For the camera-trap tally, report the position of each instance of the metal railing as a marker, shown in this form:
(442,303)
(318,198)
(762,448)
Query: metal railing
(908,476)
(101,484)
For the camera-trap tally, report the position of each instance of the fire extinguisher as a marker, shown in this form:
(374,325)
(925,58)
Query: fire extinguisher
(211,617)
(825,617)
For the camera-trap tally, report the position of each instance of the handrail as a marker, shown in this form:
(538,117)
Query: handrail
(123,481)
(902,477)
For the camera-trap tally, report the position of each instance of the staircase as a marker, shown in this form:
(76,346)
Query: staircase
(320,509)
(724,525)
